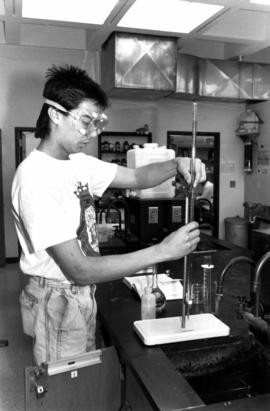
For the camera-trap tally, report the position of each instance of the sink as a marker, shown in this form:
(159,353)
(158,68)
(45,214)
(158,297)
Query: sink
(168,330)
(224,371)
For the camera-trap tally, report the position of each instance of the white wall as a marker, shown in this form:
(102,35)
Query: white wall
(217,117)
(22,72)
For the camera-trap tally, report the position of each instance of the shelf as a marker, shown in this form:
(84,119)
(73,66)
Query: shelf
(119,157)
(113,137)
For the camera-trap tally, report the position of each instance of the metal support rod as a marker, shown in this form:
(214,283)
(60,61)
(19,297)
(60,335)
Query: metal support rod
(193,148)
(193,159)
(189,216)
(184,299)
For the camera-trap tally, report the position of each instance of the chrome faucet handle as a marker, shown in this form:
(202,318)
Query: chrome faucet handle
(242,304)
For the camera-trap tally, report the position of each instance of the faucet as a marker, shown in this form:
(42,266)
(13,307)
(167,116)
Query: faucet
(219,289)
(256,281)
(254,320)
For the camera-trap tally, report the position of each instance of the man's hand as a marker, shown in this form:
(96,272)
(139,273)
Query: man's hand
(184,170)
(180,242)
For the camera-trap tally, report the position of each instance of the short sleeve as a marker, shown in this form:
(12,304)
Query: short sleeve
(100,173)
(45,217)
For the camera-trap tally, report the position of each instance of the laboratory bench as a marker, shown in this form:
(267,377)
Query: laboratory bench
(151,379)
(208,243)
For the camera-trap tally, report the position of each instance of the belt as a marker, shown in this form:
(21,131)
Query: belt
(75,289)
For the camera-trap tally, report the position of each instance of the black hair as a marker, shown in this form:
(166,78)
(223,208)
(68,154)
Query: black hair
(68,86)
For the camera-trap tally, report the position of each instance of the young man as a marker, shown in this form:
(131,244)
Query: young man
(53,208)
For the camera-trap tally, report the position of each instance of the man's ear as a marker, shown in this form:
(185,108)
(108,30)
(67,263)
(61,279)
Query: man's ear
(54,115)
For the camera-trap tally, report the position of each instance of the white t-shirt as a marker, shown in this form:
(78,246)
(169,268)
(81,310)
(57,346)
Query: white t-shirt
(52,202)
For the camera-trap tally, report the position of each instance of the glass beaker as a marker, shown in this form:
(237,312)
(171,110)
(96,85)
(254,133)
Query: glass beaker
(197,293)
(197,297)
(159,295)
(207,267)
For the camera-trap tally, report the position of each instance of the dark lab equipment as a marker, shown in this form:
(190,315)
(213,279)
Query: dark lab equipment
(153,219)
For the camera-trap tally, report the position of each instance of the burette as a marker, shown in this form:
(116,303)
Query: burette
(189,216)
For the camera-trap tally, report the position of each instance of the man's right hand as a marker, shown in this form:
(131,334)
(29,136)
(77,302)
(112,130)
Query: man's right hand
(180,242)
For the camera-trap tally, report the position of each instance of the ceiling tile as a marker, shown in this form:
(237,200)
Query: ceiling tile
(200,48)
(2,7)
(241,30)
(80,11)
(2,33)
(52,36)
(242,24)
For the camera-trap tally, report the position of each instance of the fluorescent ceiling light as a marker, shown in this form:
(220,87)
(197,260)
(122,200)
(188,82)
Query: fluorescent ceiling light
(77,11)
(168,15)
(266,2)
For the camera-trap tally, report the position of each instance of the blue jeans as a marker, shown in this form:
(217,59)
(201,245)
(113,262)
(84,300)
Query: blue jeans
(60,317)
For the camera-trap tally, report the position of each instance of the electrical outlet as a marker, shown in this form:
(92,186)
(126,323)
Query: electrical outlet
(74,374)
(152,215)
(177,214)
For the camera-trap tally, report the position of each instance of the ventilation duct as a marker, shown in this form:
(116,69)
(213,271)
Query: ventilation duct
(226,80)
(186,76)
(145,66)
(261,81)
(134,65)
(234,80)
(219,79)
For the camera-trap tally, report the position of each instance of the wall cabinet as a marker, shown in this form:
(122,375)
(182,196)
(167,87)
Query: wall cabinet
(113,146)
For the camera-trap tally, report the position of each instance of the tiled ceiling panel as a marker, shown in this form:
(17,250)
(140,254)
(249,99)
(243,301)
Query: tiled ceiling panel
(242,24)
(2,33)
(52,36)
(201,48)
(2,7)
(242,29)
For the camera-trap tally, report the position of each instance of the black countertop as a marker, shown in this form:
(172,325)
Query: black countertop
(168,390)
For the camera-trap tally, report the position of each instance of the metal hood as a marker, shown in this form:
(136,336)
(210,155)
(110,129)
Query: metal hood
(144,66)
(136,65)
(222,80)
(234,80)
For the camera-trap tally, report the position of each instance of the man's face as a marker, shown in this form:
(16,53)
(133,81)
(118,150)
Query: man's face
(80,127)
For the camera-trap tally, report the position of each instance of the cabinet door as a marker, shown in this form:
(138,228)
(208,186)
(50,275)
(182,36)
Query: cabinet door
(95,386)
(2,231)
(136,398)
(25,142)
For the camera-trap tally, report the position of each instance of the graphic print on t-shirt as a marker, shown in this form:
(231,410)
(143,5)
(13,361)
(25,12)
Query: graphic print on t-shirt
(87,232)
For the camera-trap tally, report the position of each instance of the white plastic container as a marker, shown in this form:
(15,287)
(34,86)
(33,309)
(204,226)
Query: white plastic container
(148,305)
(102,231)
(152,153)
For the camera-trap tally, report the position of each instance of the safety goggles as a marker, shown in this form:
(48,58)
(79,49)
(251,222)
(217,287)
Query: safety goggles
(88,121)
